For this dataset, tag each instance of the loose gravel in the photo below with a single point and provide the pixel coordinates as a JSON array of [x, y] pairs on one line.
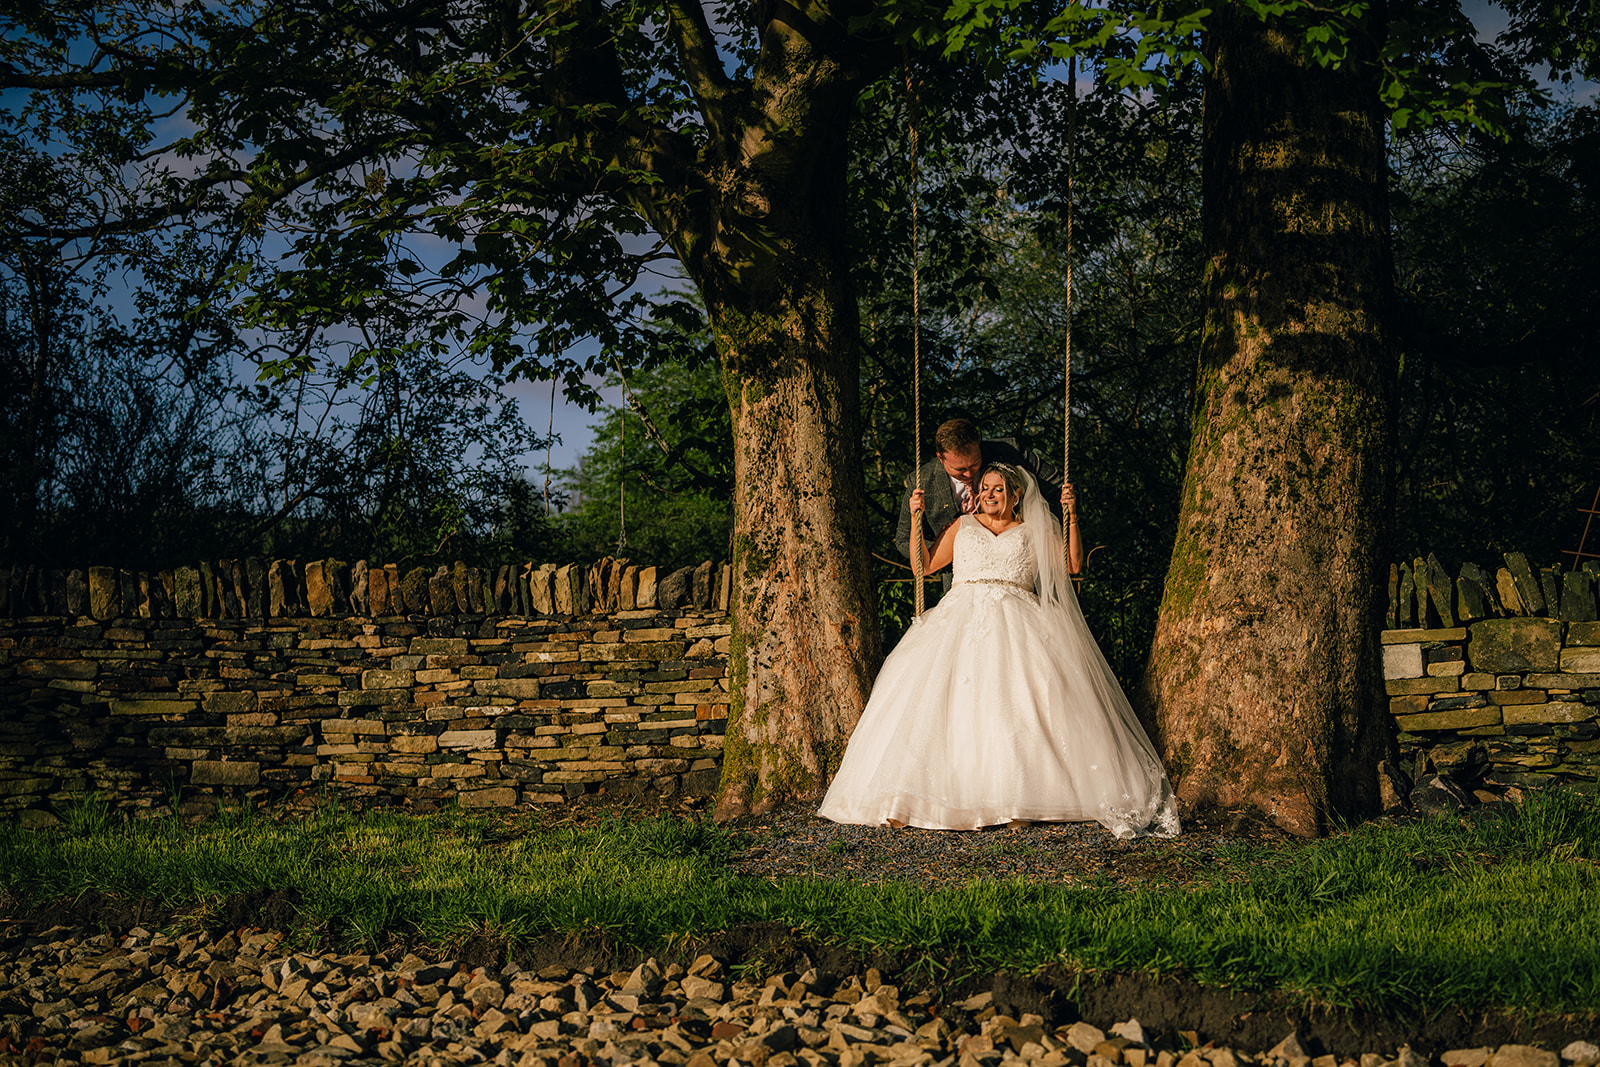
[[242, 998], [795, 842]]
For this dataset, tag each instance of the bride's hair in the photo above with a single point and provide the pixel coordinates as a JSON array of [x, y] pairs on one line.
[[1015, 483]]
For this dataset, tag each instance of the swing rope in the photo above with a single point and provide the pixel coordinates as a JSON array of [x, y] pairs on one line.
[[913, 109], [628, 401], [1066, 407], [622, 489]]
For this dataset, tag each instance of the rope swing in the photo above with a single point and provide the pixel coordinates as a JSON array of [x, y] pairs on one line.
[[549, 442], [913, 115], [622, 485], [1066, 404], [913, 109], [628, 401]]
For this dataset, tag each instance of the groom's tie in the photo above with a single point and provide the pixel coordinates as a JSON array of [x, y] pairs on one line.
[[969, 500]]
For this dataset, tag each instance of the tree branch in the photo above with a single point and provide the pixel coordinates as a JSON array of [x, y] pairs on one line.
[[701, 63], [701, 478], [12, 78], [587, 85], [271, 194]]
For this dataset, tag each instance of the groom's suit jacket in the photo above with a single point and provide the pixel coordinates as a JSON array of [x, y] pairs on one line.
[[940, 507]]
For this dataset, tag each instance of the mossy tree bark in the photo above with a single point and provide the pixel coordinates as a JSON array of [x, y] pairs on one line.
[[771, 261], [1264, 685], [772, 266], [805, 643], [755, 209]]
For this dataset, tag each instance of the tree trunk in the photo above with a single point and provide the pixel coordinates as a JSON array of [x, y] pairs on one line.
[[805, 641], [765, 242], [1264, 683]]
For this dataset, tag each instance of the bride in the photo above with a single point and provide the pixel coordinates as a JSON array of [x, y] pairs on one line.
[[997, 705]]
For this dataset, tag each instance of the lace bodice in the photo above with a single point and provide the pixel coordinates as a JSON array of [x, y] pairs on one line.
[[981, 556]]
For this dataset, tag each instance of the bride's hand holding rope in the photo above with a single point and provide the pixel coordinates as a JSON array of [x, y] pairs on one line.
[[945, 550], [1069, 513]]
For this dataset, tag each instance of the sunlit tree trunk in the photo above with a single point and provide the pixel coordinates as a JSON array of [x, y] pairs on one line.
[[764, 238], [1264, 683], [805, 641]]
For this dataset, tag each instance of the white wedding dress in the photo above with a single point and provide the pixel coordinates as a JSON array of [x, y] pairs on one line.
[[995, 706]]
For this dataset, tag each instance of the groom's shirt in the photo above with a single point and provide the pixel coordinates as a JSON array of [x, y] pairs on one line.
[[966, 499]]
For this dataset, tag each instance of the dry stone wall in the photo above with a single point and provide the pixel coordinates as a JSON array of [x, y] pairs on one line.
[[1494, 679], [540, 683], [275, 589], [615, 681], [1502, 702]]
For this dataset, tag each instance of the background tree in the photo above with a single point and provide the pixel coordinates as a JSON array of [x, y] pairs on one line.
[[1499, 428], [116, 423], [659, 470], [559, 149], [130, 438], [425, 459]]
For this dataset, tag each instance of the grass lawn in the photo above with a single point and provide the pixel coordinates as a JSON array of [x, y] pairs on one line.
[[1500, 912]]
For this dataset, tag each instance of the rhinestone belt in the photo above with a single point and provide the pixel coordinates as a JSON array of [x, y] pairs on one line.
[[993, 581]]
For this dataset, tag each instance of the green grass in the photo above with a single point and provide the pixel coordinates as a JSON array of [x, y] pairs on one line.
[[1500, 913]]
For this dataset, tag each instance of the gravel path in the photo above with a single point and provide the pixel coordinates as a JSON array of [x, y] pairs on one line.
[[797, 842]]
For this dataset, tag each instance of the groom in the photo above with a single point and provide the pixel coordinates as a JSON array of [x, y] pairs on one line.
[[949, 482]]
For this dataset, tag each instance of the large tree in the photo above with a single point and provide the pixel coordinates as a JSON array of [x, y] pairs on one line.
[[1264, 676], [753, 204], [560, 150]]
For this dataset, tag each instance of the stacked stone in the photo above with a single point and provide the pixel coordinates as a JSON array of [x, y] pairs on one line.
[[1496, 706], [1422, 595], [239, 999], [490, 712], [635, 702], [261, 589]]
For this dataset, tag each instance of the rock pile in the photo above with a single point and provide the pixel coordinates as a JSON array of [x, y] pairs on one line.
[[241, 999]]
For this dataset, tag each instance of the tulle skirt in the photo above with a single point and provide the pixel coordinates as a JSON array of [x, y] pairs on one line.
[[994, 708]]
